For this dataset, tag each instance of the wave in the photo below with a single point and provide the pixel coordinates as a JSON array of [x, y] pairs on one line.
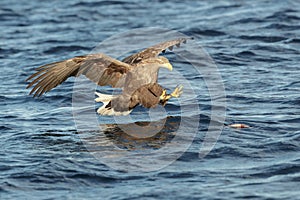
[[61, 49], [205, 32], [99, 3], [267, 39]]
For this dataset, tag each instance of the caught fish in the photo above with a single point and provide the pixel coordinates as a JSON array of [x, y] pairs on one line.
[[238, 126]]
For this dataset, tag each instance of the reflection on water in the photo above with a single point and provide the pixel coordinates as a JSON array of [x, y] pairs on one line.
[[125, 147], [138, 135]]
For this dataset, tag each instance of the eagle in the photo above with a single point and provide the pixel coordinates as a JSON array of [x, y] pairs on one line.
[[136, 75]]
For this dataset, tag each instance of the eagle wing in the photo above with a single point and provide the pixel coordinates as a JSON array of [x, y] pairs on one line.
[[99, 68], [153, 51]]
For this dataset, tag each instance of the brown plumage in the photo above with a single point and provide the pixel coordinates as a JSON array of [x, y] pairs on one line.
[[136, 75]]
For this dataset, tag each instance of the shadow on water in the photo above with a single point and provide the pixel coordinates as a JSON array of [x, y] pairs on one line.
[[137, 135]]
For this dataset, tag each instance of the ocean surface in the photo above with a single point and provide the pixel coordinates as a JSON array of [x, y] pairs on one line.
[[255, 46]]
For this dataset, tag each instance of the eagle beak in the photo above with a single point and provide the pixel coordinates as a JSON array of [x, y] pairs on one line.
[[168, 66]]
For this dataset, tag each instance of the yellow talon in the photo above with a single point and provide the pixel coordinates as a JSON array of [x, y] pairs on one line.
[[177, 92], [163, 95]]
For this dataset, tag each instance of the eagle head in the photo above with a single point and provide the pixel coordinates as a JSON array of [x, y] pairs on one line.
[[164, 62], [159, 61]]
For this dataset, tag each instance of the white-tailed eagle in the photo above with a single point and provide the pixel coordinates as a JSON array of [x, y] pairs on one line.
[[136, 74]]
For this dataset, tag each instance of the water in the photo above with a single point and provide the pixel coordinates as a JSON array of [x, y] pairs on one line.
[[255, 45]]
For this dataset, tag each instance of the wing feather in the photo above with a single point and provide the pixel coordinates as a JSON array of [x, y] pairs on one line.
[[99, 68], [153, 51]]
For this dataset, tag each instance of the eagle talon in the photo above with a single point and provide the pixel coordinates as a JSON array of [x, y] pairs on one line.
[[164, 97], [177, 92]]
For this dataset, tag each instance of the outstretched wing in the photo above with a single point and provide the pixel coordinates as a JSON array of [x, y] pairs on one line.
[[99, 68], [153, 51]]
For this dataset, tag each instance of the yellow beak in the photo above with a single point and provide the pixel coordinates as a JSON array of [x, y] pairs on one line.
[[168, 66]]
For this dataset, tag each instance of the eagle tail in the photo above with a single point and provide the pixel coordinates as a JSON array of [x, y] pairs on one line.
[[104, 98], [106, 108]]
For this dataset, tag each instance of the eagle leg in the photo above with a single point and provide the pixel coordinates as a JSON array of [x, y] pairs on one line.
[[164, 97]]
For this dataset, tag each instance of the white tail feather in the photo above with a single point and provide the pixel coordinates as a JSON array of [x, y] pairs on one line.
[[105, 99]]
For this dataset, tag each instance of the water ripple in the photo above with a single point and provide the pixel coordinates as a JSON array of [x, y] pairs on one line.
[[256, 48]]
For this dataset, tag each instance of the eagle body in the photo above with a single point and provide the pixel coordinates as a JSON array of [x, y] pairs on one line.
[[136, 75]]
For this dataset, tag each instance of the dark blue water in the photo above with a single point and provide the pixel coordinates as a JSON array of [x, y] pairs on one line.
[[256, 46]]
